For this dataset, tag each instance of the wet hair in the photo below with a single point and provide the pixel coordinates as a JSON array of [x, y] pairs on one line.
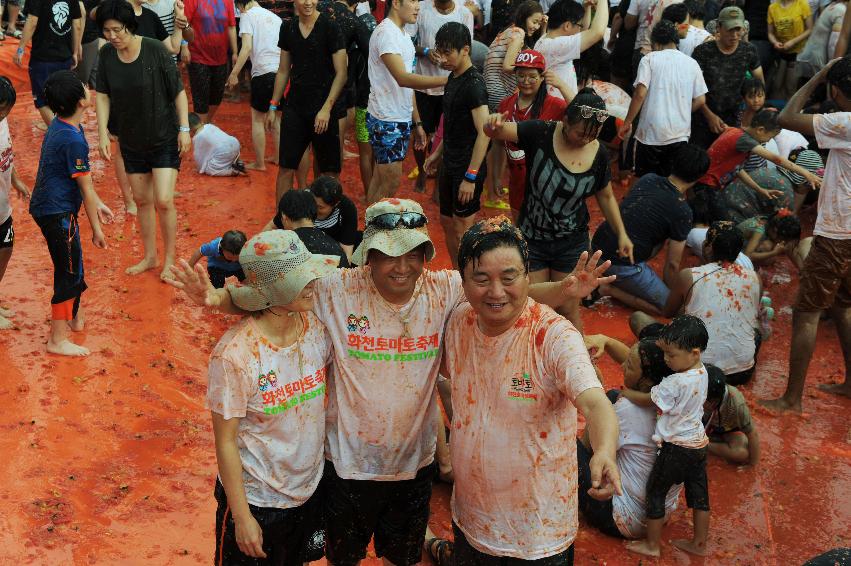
[[119, 10], [564, 11], [665, 32], [585, 97], [696, 9], [686, 332], [717, 383], [594, 63], [651, 331], [787, 226], [839, 76], [676, 13], [766, 119], [233, 241], [490, 234], [525, 11], [327, 188], [752, 86], [8, 95], [297, 205], [63, 90], [690, 163], [452, 36], [726, 241], [194, 120], [652, 358]]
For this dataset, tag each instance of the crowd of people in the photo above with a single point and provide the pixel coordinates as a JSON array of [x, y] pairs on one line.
[[356, 375]]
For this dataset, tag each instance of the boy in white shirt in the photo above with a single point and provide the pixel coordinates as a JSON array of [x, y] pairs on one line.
[[669, 87], [216, 153], [680, 434]]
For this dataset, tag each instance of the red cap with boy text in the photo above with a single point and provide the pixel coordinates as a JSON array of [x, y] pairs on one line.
[[530, 59]]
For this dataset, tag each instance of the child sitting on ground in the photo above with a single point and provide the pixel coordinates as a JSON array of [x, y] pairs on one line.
[[216, 153], [680, 434], [222, 257], [732, 433], [768, 238], [8, 179], [63, 183]]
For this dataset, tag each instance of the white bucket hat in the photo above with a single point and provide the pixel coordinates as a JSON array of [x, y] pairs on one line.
[[277, 268], [387, 230]]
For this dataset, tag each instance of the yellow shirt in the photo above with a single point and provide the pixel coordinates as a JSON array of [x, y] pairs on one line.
[[788, 21]]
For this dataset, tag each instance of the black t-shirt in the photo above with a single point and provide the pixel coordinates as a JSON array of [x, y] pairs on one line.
[[53, 36], [461, 96], [554, 205], [150, 25], [756, 14], [90, 31], [318, 242], [724, 75], [311, 63], [146, 87], [653, 211], [342, 223], [359, 61]]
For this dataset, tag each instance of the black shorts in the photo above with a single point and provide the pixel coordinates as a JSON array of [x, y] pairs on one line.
[[598, 514], [7, 234], [396, 512], [62, 233], [262, 87], [166, 156], [291, 537], [657, 159], [558, 255], [297, 133], [430, 108], [463, 554], [674, 465], [448, 183], [207, 83]]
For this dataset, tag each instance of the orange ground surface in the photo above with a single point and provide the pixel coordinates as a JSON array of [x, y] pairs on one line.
[[109, 459]]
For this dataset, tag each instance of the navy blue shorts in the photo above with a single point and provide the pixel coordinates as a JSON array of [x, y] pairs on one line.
[[39, 72], [389, 140]]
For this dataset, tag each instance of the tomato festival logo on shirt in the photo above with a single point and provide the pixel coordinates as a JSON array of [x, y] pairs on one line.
[[400, 349], [522, 388], [278, 397]]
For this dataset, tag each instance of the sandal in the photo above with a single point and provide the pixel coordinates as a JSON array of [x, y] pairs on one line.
[[16, 34], [440, 550]]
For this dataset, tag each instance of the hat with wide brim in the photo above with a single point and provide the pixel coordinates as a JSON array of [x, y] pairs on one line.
[[277, 268], [393, 242]]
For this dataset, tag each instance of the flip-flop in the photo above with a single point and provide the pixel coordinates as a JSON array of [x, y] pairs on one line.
[[498, 204], [16, 34], [441, 552]]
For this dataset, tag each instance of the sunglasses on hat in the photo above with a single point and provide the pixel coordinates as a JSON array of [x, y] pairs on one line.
[[588, 111], [391, 220]]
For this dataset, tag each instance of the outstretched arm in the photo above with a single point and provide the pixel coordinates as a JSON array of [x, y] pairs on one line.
[[586, 276], [603, 433], [195, 284]]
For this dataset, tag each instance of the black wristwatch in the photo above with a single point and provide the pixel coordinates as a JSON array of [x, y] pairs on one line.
[[418, 124]]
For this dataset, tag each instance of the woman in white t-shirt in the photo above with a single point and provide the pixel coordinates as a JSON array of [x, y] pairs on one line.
[[625, 515], [266, 394]]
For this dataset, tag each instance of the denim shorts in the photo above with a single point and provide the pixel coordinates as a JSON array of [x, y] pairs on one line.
[[558, 255], [389, 140], [640, 280]]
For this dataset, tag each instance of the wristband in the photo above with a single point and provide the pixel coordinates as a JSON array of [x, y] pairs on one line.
[[425, 51], [471, 175], [273, 107], [273, 102], [20, 51], [184, 42], [184, 129], [418, 124]]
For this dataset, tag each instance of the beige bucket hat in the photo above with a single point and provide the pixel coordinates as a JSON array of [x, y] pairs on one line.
[[387, 230], [277, 267]]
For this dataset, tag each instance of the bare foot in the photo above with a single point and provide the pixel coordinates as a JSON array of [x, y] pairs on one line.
[[131, 209], [690, 546], [780, 405], [67, 348], [419, 186], [272, 160], [254, 166], [643, 547], [78, 324], [6, 324], [141, 267], [166, 274], [7, 313], [843, 389]]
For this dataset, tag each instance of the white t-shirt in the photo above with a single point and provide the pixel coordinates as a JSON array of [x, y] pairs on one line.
[[673, 81], [635, 459], [279, 395], [382, 399], [833, 132], [214, 151], [680, 399], [387, 100], [787, 140], [514, 431], [695, 37], [362, 9], [726, 298], [264, 27], [559, 52], [695, 239], [643, 10], [6, 165], [429, 21]]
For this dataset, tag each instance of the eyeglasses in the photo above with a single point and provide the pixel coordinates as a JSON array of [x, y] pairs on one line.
[[528, 79], [114, 31], [392, 220], [588, 111]]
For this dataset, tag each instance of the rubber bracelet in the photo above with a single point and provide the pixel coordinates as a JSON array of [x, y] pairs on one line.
[[273, 102], [417, 124], [272, 107], [20, 51], [425, 51], [470, 177], [184, 129], [184, 42]]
